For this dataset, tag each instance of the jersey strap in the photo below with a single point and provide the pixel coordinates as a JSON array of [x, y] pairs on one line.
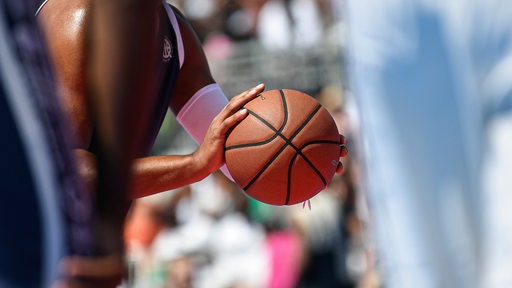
[[176, 27]]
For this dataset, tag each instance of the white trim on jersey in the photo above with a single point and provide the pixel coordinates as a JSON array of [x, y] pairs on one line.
[[41, 7], [176, 27], [38, 155]]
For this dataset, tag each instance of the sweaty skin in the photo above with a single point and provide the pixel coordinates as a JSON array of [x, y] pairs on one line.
[[67, 26], [64, 24]]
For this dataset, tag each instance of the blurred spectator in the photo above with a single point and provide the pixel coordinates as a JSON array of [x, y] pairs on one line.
[[283, 24], [285, 244], [285, 248], [213, 243], [241, 22], [333, 99], [432, 81], [320, 231], [332, 233], [142, 224]]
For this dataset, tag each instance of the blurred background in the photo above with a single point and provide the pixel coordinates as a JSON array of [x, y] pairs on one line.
[[210, 234]]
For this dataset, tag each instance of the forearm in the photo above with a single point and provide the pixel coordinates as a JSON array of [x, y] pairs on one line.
[[151, 175], [157, 174]]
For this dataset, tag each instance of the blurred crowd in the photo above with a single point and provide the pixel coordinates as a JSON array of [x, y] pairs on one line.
[[210, 234], [282, 43], [278, 24]]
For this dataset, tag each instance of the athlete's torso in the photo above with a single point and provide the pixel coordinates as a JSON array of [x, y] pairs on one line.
[[169, 63]]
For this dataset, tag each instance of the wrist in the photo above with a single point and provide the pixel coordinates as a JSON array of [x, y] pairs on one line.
[[200, 165]]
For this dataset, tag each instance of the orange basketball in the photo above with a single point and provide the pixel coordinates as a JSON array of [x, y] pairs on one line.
[[286, 150]]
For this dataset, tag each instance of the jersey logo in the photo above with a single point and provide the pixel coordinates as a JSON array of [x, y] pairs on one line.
[[167, 52]]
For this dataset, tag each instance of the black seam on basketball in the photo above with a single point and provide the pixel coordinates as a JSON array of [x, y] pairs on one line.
[[306, 122], [289, 183], [276, 134], [290, 166], [276, 131], [309, 161], [320, 142], [265, 167], [288, 142], [285, 120]]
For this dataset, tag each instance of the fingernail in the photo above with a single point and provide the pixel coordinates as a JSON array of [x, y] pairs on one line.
[[343, 140], [339, 169]]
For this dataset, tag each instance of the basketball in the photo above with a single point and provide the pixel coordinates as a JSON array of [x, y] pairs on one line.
[[286, 150]]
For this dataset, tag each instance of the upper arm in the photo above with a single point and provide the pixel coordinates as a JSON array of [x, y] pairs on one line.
[[64, 25], [195, 72]]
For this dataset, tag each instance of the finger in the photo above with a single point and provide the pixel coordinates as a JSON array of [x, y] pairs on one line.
[[344, 151], [343, 140], [249, 94], [232, 120], [339, 168], [235, 118], [240, 100]]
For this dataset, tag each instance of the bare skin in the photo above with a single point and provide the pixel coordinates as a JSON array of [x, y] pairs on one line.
[[64, 24], [67, 25]]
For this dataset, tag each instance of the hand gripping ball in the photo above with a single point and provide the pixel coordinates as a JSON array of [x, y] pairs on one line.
[[286, 150]]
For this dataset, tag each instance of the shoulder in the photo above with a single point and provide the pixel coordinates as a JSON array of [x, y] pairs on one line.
[[64, 23], [63, 9], [184, 29], [64, 26], [177, 12], [185, 34], [180, 20], [64, 19]]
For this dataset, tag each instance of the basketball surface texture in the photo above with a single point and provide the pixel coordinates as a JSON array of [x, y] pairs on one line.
[[286, 150]]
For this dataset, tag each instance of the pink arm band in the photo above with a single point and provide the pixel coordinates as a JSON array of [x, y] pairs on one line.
[[197, 114]]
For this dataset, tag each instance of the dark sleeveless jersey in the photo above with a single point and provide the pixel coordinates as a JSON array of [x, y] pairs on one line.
[[172, 55], [172, 59], [43, 215], [171, 51]]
